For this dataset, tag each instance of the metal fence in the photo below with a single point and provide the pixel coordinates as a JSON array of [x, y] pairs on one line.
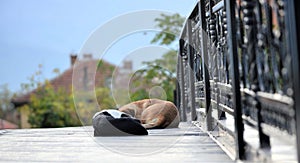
[[240, 59]]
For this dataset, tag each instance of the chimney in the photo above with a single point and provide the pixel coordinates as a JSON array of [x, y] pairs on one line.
[[73, 59]]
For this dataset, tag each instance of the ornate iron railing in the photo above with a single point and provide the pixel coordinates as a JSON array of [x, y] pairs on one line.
[[240, 60]]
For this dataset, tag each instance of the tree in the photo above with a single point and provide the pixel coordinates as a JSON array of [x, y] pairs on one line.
[[156, 79], [49, 107], [52, 108], [160, 72], [87, 105], [170, 26], [104, 98]]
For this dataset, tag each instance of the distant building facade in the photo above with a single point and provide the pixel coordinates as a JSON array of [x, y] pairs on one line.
[[85, 75]]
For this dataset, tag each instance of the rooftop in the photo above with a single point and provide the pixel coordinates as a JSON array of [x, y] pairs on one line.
[[84, 69]]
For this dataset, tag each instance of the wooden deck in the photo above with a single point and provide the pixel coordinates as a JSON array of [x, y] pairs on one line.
[[77, 144]]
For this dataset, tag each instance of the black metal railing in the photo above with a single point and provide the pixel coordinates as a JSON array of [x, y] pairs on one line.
[[240, 60]]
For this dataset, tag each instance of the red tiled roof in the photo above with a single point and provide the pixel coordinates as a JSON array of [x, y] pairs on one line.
[[7, 125], [64, 80]]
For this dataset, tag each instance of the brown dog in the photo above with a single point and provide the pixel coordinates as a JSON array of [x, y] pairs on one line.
[[153, 113]]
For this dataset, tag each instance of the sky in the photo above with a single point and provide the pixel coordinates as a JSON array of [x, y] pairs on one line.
[[46, 32]]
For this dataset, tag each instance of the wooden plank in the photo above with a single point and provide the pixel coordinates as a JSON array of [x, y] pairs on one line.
[[184, 144]]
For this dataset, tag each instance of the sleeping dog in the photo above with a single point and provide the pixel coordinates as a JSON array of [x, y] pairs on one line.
[[153, 113]]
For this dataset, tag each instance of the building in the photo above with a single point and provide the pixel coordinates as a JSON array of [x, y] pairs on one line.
[[84, 73]]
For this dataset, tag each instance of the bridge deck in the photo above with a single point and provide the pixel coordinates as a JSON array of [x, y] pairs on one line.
[[184, 144]]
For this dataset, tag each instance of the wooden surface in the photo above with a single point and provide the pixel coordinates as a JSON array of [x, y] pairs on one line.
[[77, 144]]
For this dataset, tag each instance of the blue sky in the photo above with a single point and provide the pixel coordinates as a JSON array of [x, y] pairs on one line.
[[34, 32]]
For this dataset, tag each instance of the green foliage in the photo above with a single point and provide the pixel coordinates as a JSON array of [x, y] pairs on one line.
[[139, 94], [35, 81], [49, 107], [159, 74], [168, 61], [87, 105], [170, 26], [52, 108], [104, 98]]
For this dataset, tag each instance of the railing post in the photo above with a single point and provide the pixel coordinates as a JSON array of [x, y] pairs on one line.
[[293, 14], [191, 72], [181, 84], [204, 39], [176, 94], [232, 48]]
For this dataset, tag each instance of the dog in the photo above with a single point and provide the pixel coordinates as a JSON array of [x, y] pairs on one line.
[[153, 113]]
